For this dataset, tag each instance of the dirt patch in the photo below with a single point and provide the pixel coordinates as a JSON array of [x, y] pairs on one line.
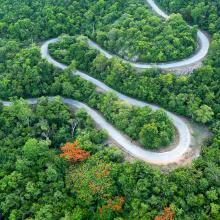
[[199, 134]]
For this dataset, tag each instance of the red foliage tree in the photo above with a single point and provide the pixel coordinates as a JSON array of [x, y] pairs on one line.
[[72, 152], [168, 215]]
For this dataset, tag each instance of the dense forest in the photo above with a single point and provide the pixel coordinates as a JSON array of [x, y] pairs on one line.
[[54, 162], [127, 28]]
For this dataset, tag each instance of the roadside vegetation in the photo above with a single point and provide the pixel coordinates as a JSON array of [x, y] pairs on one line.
[[52, 169]]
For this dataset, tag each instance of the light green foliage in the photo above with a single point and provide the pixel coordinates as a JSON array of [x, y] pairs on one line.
[[204, 114]]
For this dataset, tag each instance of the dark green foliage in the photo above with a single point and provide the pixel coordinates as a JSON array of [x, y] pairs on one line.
[[25, 74], [204, 13], [129, 29], [35, 183]]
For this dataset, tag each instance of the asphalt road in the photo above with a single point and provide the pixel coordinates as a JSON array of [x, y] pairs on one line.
[[153, 157]]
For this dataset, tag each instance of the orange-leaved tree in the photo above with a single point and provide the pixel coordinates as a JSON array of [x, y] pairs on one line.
[[115, 204], [72, 152], [168, 215]]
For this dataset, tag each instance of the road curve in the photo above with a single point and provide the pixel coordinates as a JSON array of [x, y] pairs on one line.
[[203, 47], [167, 157]]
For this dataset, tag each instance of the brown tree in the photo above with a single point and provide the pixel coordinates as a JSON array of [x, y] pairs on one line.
[[115, 204], [168, 215]]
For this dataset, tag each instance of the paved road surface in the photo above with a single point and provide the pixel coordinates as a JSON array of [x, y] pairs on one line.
[[157, 158]]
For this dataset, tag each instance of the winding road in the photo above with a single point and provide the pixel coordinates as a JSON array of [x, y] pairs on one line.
[[163, 158], [182, 127], [203, 47]]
